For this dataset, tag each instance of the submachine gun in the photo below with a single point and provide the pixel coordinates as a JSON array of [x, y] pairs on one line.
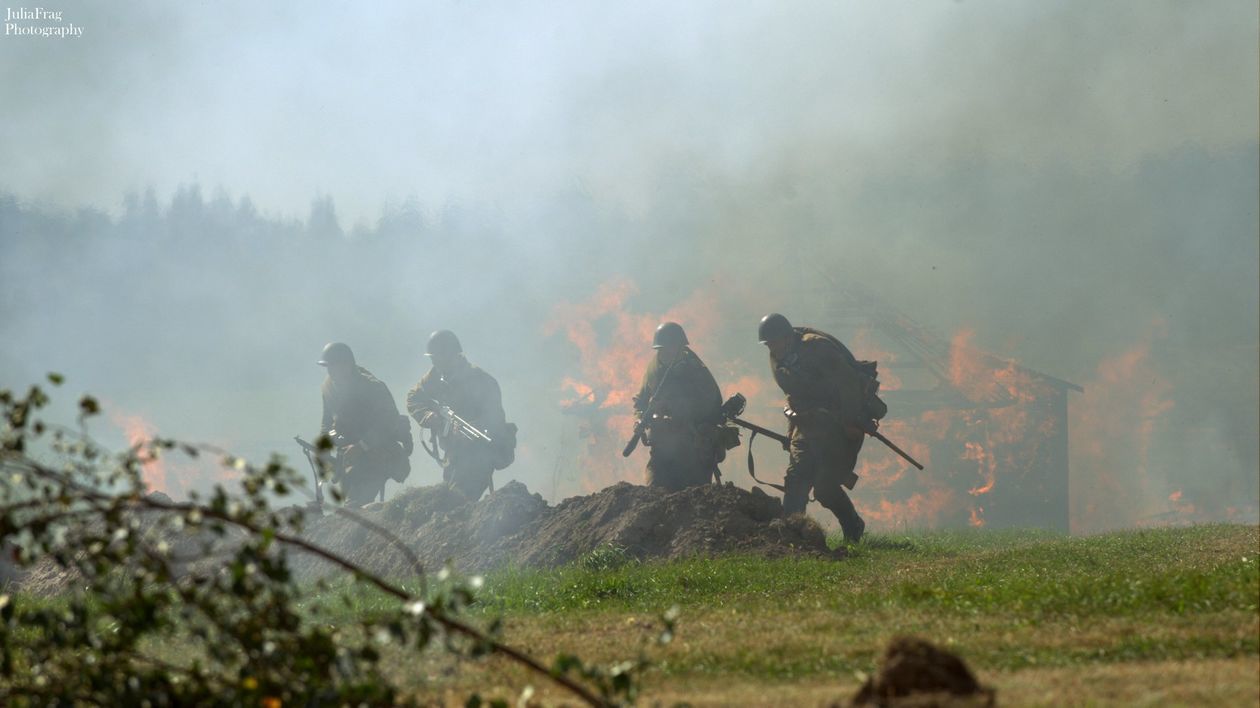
[[452, 424], [734, 406]]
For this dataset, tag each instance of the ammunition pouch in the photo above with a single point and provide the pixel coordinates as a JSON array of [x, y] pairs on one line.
[[504, 446]]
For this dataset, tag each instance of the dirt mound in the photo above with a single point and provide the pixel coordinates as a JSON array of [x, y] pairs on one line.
[[651, 523], [513, 527], [913, 672]]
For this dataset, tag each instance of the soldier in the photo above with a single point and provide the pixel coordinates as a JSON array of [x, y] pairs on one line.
[[372, 439], [679, 409], [828, 410], [467, 463]]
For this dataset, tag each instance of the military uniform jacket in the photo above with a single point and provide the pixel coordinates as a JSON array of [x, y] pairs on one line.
[[361, 410], [690, 395], [470, 392], [819, 379]]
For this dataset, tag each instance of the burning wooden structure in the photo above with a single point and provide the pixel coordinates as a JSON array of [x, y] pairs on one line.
[[994, 433]]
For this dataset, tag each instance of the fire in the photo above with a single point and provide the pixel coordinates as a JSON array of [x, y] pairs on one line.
[[613, 346], [583, 395], [967, 369], [988, 467], [977, 517], [997, 431], [968, 449], [1112, 430], [173, 473], [921, 510], [140, 433], [990, 431]]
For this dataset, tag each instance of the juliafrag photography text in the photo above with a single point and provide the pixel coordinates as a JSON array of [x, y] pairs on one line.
[[38, 22]]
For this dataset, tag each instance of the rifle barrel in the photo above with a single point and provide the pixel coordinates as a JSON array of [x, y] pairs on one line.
[[893, 446], [758, 429]]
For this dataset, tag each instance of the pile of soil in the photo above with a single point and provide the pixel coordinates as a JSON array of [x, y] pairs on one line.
[[512, 527], [914, 672]]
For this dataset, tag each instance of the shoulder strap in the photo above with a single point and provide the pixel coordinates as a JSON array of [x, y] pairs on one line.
[[752, 467]]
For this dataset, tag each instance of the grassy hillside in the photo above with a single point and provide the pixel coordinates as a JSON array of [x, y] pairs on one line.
[[1166, 616]]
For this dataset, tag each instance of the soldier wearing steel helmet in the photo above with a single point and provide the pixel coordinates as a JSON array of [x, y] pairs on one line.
[[679, 408], [468, 465], [372, 439], [828, 409]]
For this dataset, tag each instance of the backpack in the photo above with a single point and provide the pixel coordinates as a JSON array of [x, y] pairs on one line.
[[867, 371]]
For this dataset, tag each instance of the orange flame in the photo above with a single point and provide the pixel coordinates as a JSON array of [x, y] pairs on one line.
[[613, 347], [1112, 430], [996, 446], [173, 473], [140, 433], [977, 516]]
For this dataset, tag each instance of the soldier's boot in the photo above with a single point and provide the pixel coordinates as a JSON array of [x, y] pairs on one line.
[[851, 523]]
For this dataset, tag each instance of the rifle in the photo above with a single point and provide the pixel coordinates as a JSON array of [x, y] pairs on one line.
[[453, 423], [735, 405], [641, 427], [312, 454], [869, 429]]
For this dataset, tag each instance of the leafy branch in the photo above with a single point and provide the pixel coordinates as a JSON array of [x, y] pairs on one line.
[[64, 502]]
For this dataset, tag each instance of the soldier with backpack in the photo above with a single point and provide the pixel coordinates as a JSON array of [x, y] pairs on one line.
[[831, 404], [372, 439]]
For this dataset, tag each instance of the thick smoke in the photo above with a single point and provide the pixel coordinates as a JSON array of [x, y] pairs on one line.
[[1074, 184]]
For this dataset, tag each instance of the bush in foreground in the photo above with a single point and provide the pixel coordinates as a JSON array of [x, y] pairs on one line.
[[67, 501]]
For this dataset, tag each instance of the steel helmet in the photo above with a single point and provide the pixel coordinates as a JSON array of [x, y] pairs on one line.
[[773, 326], [336, 353], [443, 343], [669, 334]]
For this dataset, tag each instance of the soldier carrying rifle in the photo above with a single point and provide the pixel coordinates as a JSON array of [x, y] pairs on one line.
[[462, 407], [831, 406], [679, 413]]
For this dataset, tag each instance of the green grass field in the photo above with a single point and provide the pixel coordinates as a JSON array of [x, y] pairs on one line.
[[1154, 617]]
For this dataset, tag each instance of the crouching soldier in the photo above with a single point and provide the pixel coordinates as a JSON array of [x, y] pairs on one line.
[[371, 438], [462, 407]]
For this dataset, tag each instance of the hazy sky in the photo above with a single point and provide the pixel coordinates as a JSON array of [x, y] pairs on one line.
[[503, 101]]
